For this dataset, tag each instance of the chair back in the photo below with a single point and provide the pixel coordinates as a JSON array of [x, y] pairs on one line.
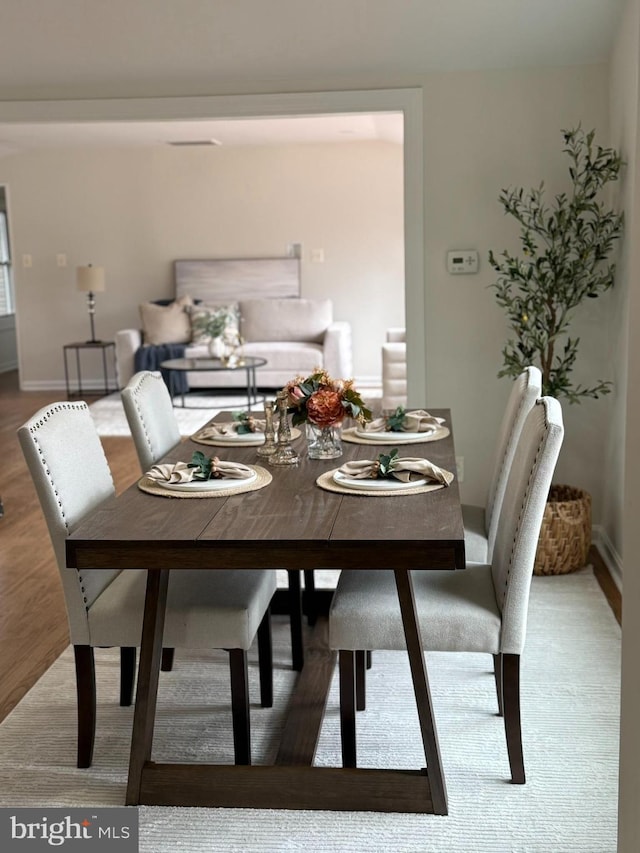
[[521, 518], [72, 477], [152, 421], [526, 389]]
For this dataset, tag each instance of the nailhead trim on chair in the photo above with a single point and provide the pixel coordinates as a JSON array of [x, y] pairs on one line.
[[525, 498], [506, 447], [33, 429], [57, 407], [136, 391]]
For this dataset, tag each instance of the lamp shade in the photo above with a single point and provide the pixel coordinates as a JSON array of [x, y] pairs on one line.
[[90, 279]]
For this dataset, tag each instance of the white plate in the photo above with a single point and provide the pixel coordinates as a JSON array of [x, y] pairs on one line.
[[375, 485], [394, 436], [235, 436], [207, 485]]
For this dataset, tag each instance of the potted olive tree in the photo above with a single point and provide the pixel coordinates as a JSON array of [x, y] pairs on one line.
[[565, 245]]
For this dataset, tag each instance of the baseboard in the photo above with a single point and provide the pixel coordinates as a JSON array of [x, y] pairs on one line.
[[89, 386], [609, 553]]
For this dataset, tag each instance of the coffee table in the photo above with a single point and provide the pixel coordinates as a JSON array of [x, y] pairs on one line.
[[248, 364]]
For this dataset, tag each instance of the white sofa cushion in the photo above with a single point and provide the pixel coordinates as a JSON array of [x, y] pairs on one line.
[[166, 324], [285, 319]]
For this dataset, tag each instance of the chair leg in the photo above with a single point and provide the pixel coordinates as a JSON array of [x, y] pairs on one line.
[[310, 596], [512, 723], [347, 707], [265, 661], [166, 664], [295, 615], [127, 674], [497, 674], [86, 692], [361, 681], [240, 706]]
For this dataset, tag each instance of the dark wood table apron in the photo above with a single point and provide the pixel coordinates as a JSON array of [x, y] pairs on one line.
[[291, 524]]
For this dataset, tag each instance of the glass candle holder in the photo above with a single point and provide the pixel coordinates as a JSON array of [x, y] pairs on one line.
[[284, 454], [269, 446]]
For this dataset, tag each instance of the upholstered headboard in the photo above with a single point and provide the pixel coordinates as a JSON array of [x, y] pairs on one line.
[[232, 279]]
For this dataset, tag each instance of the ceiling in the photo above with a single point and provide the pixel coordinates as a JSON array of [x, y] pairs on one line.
[[79, 49], [351, 127]]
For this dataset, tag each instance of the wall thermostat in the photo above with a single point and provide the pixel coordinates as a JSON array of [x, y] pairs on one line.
[[462, 262]]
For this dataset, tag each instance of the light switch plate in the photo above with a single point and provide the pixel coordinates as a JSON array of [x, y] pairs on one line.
[[462, 261]]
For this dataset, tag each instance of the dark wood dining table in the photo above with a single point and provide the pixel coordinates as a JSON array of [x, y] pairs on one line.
[[290, 524]]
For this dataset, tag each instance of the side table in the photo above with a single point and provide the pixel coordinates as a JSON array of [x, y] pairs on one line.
[[101, 346]]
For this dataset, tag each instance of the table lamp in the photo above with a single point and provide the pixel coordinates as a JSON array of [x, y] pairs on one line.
[[90, 279]]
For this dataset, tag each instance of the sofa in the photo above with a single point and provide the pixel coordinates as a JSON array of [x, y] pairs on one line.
[[394, 369], [294, 335]]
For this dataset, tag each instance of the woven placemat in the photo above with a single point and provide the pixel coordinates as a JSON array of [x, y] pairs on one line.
[[326, 482], [258, 442], [146, 484], [349, 435]]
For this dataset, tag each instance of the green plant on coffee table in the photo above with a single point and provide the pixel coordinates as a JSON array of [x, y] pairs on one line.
[[565, 245]]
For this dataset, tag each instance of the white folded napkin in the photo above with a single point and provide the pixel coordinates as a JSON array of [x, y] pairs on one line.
[[230, 428], [179, 472], [416, 421], [405, 469]]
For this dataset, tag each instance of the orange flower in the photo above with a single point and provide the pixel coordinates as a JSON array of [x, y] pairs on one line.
[[325, 408]]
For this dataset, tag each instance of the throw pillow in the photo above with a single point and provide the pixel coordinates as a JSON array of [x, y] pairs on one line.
[[166, 324], [213, 321]]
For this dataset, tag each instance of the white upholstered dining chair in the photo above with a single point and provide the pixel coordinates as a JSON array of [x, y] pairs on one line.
[[482, 608], [154, 428], [205, 610], [481, 522], [152, 421]]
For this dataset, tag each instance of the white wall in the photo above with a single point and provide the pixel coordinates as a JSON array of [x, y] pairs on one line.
[[484, 132], [622, 493], [134, 211]]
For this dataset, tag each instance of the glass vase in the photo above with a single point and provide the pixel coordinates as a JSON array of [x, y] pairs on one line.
[[324, 442]]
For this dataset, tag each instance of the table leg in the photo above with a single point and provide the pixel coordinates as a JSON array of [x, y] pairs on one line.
[[421, 690], [148, 674], [78, 370], [104, 370], [66, 372], [252, 396], [295, 616]]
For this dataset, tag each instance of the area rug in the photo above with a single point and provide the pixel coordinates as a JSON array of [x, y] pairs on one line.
[[570, 688], [110, 419]]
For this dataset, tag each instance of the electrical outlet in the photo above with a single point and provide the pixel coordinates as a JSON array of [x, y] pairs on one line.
[[27, 261], [460, 467], [317, 256], [61, 260]]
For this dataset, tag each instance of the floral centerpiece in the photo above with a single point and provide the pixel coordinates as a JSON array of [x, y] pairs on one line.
[[322, 403]]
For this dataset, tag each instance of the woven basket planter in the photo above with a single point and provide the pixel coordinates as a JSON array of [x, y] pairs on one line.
[[565, 536]]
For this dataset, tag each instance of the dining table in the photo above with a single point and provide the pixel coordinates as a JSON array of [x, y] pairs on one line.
[[293, 524]]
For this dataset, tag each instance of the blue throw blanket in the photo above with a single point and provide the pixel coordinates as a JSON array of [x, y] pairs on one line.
[[151, 357]]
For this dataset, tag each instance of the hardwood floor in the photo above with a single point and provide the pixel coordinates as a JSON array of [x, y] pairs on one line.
[[33, 622]]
